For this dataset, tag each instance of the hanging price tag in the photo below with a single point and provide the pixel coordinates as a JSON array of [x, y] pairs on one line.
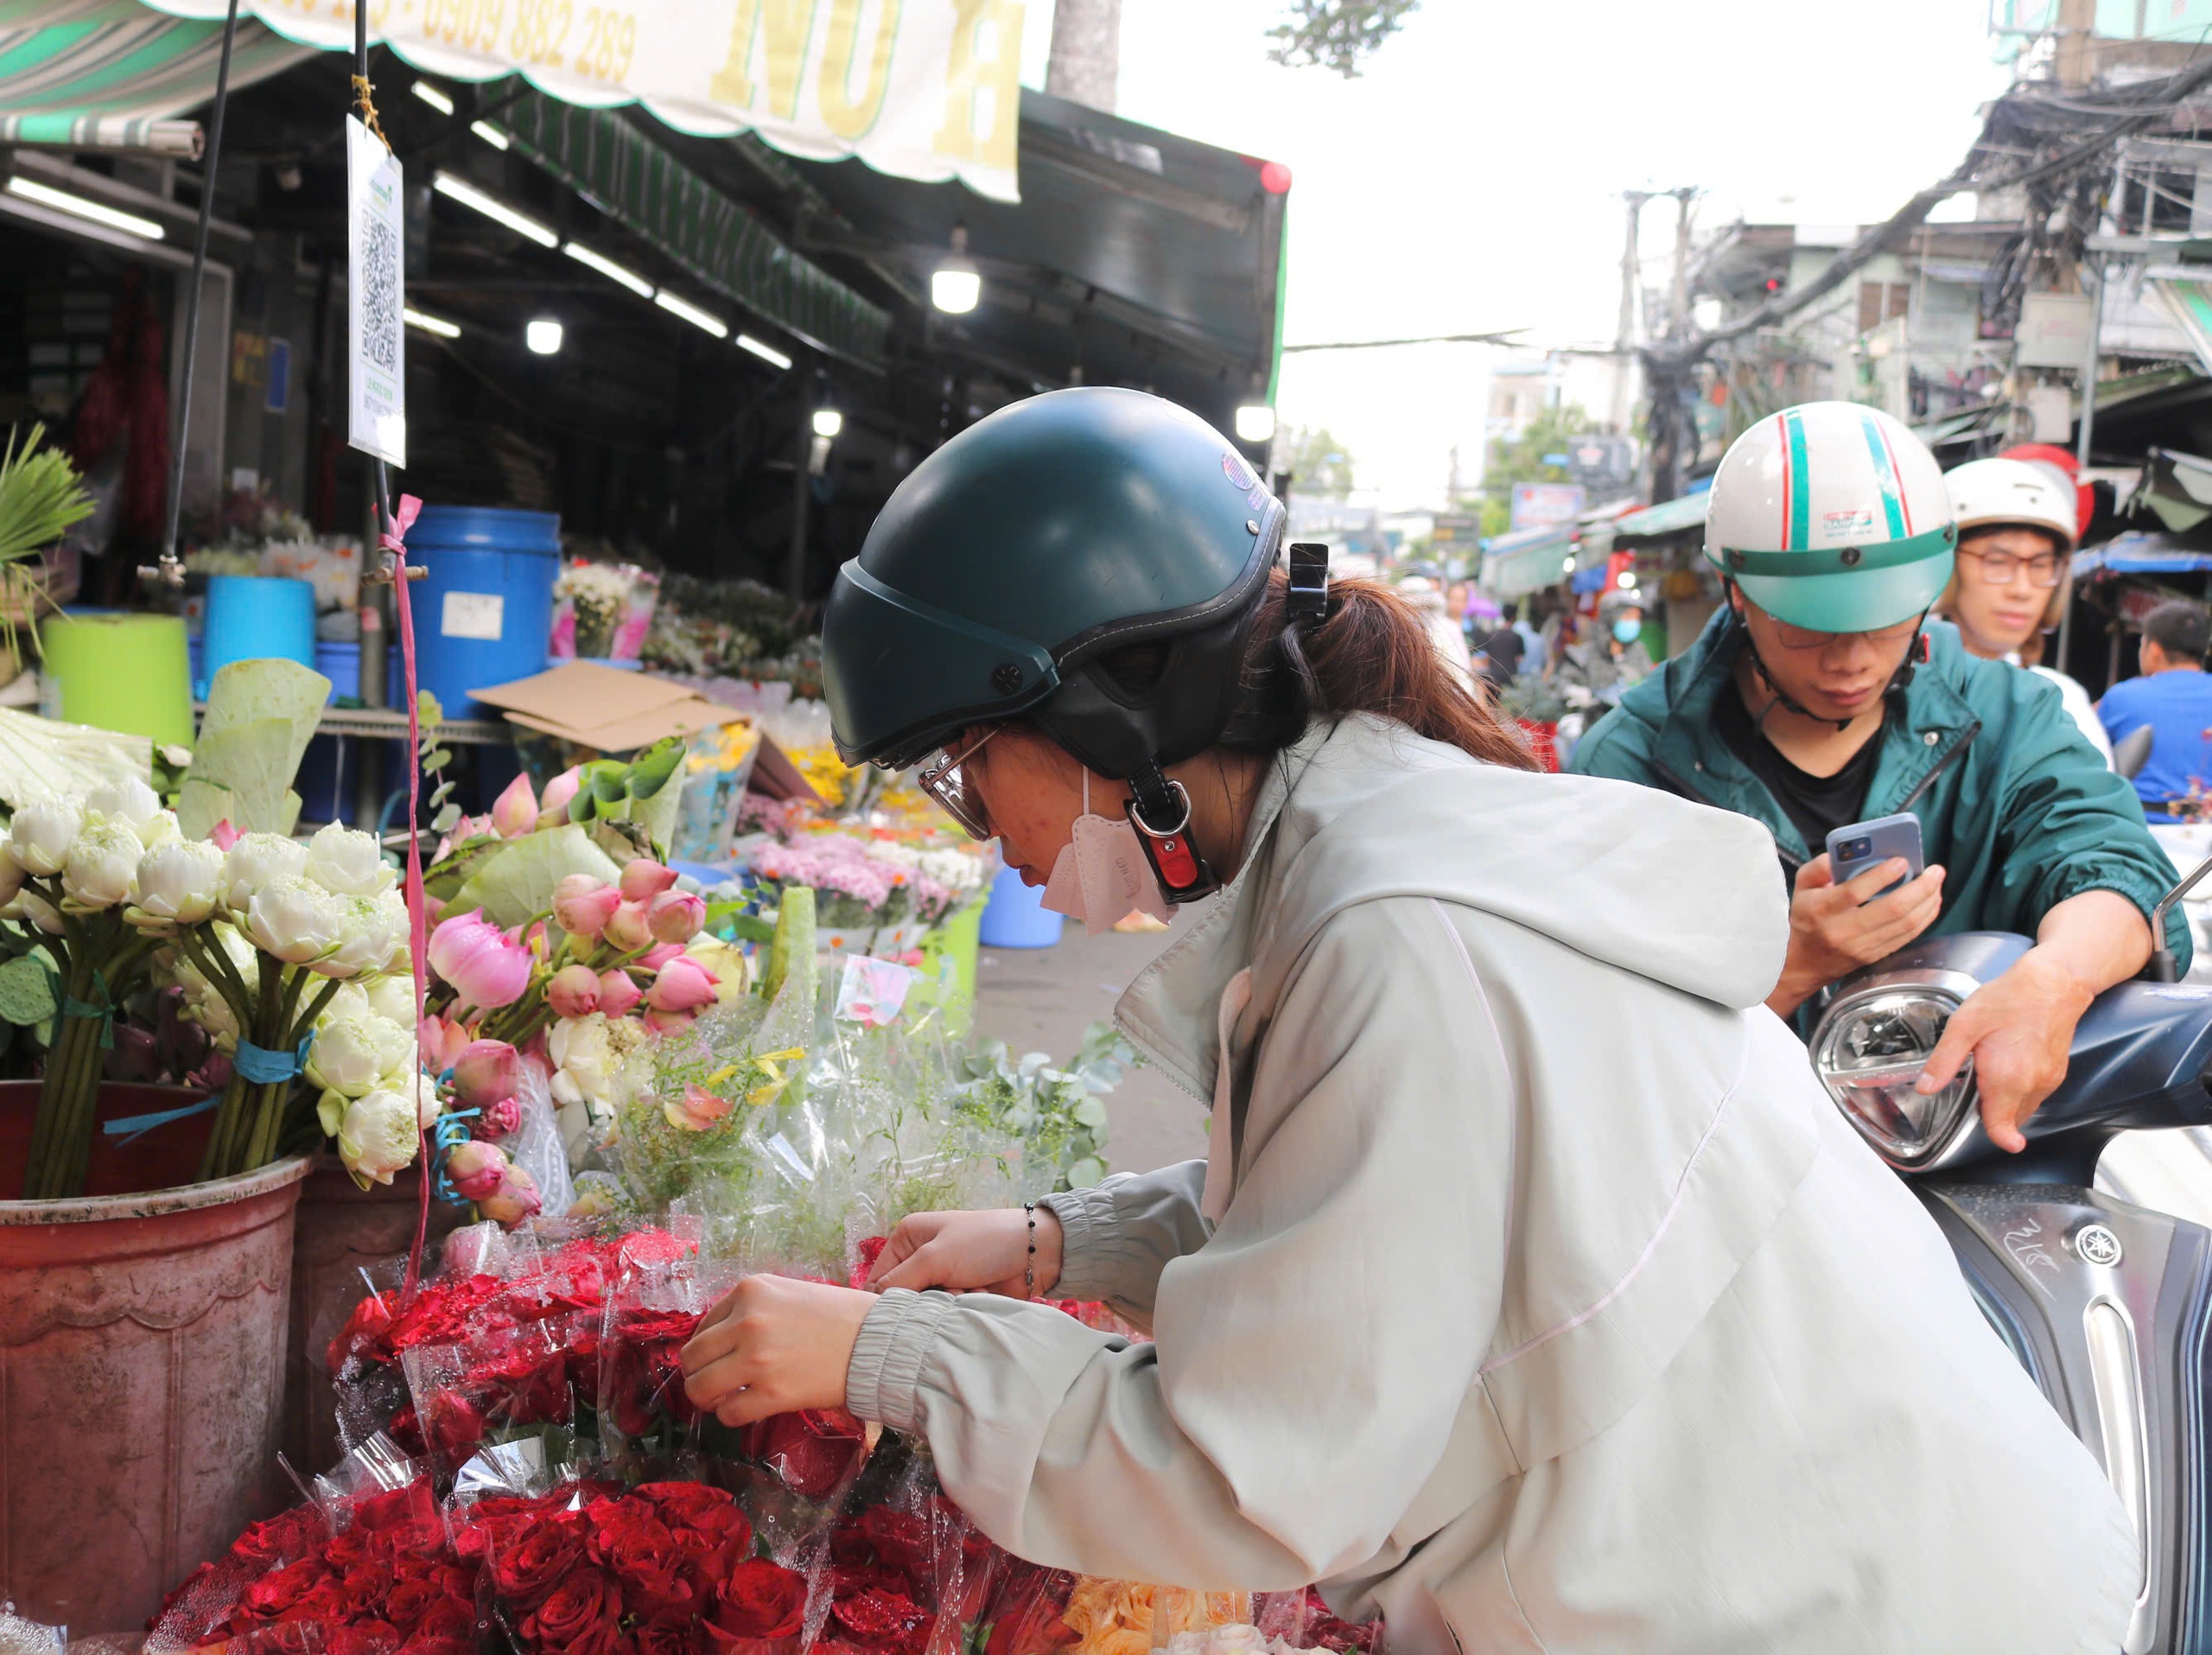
[[375, 299]]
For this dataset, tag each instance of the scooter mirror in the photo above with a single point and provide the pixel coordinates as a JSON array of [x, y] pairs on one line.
[[2133, 751], [2164, 967]]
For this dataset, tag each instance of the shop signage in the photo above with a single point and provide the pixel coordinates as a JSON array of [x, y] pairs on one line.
[[375, 379], [1537, 505], [924, 89]]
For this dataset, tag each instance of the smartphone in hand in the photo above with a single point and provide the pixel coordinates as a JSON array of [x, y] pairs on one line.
[[1853, 849]]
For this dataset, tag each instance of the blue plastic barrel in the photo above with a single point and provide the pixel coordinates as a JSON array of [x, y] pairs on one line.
[[252, 618], [484, 612], [1016, 917], [341, 664]]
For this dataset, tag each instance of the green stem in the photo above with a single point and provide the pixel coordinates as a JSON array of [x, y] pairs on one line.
[[216, 1164], [268, 1033], [305, 1020], [295, 981], [222, 974], [48, 1169]]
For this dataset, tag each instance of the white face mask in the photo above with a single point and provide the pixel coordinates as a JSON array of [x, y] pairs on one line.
[[1101, 876]]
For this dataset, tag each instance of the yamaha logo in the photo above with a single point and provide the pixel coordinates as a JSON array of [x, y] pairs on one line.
[[2097, 1245]]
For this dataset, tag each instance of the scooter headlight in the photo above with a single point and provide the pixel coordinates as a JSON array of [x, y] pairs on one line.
[[1870, 1048]]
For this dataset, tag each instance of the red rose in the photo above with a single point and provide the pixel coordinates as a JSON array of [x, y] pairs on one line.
[[711, 1526], [670, 1634], [864, 1257], [581, 1616], [273, 1594], [528, 1564], [894, 1539], [282, 1539], [884, 1620], [362, 1336], [453, 1425], [811, 1452], [1025, 1615], [637, 1547], [455, 1616], [759, 1600]]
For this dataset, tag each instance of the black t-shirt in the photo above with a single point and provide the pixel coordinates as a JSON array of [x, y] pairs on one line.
[[1500, 653], [1816, 805]]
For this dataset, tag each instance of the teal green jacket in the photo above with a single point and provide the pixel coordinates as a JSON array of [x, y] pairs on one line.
[[2027, 816]]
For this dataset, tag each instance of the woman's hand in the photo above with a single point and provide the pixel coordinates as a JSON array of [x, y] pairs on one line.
[[774, 1345], [962, 1251]]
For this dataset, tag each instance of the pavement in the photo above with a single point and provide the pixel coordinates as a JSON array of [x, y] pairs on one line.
[[1042, 999]]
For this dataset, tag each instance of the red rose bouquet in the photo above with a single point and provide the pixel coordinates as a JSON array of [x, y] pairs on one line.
[[907, 1573], [375, 1574]]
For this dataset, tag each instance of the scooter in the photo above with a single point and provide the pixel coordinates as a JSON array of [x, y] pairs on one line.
[[2107, 1305]]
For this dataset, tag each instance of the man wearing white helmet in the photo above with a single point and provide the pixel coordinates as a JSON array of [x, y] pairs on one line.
[[2017, 526], [1821, 695]]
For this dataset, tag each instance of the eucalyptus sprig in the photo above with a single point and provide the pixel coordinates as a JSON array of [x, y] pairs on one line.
[[433, 759]]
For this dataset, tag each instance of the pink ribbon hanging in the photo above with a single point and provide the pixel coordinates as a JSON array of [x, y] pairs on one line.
[[394, 540]]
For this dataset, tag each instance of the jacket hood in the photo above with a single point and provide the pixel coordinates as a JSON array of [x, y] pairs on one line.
[[1363, 809]]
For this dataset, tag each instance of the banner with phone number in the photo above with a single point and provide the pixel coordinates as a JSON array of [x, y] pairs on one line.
[[923, 89]]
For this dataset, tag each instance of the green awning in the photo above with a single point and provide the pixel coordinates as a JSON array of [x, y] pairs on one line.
[[108, 73], [1529, 567], [633, 180], [1669, 516]]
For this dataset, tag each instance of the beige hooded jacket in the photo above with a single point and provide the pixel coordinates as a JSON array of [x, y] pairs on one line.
[[1535, 1295]]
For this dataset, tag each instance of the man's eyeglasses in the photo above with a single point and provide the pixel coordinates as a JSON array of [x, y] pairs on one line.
[[1791, 637], [945, 777], [2045, 569]]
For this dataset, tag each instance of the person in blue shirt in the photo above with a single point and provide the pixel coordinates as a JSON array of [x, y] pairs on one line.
[[2174, 698]]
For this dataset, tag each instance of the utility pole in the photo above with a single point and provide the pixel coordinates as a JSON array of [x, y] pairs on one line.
[[2075, 58], [1624, 335], [1086, 59], [1678, 321]]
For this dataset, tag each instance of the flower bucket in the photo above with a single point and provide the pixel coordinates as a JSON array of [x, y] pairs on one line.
[[141, 1351], [341, 1229]]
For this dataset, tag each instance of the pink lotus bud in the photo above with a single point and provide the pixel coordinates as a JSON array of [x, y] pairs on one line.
[[659, 955], [500, 1120], [668, 1023], [698, 1110], [515, 1199], [223, 835], [515, 812], [627, 930], [572, 991], [676, 916], [485, 965], [583, 905], [645, 879], [486, 1073], [682, 984], [561, 790], [618, 992], [477, 1169], [442, 1040]]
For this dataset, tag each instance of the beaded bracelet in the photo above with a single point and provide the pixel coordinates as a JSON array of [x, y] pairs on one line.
[[1029, 1270]]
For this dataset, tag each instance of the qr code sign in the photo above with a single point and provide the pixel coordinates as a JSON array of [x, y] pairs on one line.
[[380, 292]]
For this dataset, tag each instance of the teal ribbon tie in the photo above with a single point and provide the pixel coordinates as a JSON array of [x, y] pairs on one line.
[[103, 1009], [265, 1067], [132, 1128]]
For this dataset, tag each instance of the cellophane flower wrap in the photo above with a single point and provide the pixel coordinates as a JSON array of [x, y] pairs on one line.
[[365, 1569]]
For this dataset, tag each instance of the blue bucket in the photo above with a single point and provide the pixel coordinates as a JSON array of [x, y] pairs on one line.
[[484, 612], [1016, 917], [253, 618], [341, 664]]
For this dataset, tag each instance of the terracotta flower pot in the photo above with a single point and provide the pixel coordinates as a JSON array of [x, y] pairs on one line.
[[141, 1347], [341, 1230]]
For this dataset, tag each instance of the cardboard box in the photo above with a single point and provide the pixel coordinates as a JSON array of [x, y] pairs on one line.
[[604, 709]]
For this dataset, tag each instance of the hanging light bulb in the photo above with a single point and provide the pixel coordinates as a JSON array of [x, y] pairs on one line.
[[542, 335], [956, 286]]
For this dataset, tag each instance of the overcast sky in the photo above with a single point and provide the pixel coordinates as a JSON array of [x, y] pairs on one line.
[[1471, 179]]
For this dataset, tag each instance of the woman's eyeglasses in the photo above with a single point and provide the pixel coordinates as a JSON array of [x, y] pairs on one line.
[[945, 777], [2045, 569]]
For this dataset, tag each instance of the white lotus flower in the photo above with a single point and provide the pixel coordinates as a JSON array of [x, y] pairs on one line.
[[11, 875], [129, 801], [40, 836], [378, 1137], [349, 1000], [177, 885], [369, 930], [390, 995], [30, 906], [103, 867], [294, 919], [352, 1055], [253, 862], [348, 861]]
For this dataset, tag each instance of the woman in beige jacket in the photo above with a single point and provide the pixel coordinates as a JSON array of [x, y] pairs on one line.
[[1531, 1292]]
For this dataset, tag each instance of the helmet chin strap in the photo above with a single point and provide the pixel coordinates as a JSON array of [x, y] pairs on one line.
[[1781, 697]]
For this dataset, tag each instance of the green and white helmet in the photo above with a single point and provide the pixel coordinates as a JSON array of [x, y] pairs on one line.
[[1834, 516]]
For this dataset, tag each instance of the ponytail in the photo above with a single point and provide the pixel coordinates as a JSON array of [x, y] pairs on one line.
[[1369, 654]]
